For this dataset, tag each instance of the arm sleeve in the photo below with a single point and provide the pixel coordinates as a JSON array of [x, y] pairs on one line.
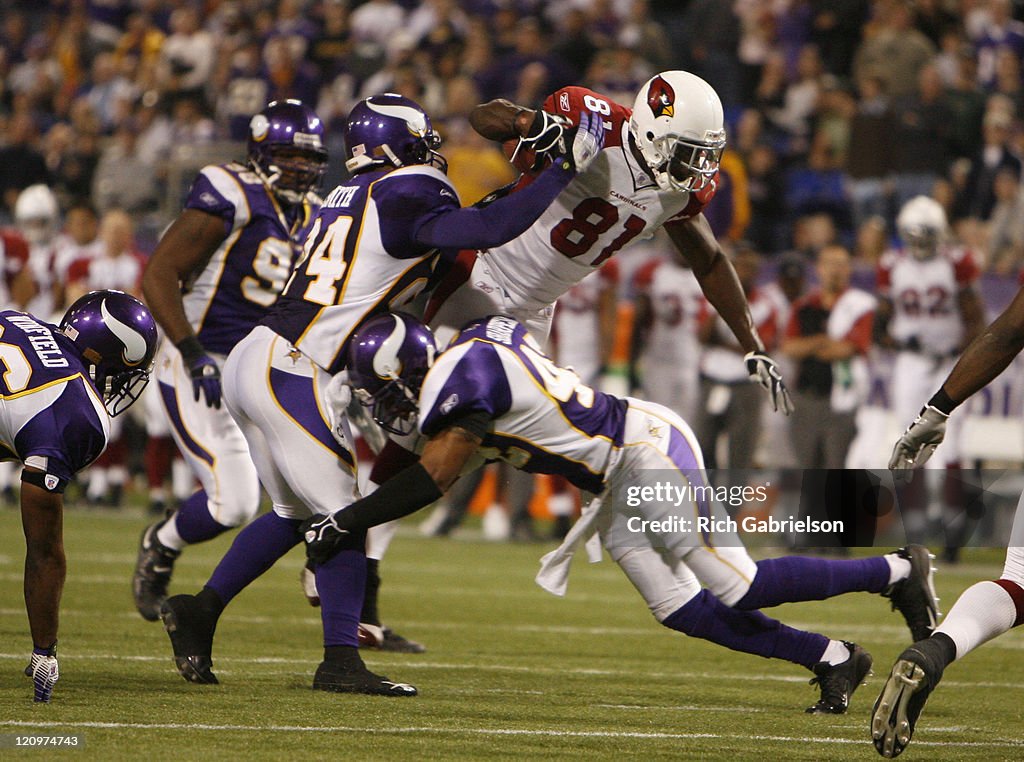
[[498, 222], [404, 493]]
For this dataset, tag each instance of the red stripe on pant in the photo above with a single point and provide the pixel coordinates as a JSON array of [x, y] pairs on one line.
[[1016, 593]]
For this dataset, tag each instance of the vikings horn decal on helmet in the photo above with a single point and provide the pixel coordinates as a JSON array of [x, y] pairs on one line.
[[116, 336], [389, 130], [679, 126], [388, 358], [286, 149]]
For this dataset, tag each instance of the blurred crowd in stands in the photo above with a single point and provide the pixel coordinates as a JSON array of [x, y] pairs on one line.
[[838, 112]]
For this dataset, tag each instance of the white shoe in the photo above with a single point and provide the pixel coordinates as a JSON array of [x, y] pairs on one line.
[[496, 524], [430, 525]]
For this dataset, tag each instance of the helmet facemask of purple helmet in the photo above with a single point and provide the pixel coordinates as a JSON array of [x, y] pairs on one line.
[[388, 358], [286, 149], [116, 336]]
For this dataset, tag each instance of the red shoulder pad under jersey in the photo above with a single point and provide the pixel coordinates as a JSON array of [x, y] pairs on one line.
[[610, 272], [965, 267], [644, 275], [883, 273], [14, 249], [78, 271], [570, 101]]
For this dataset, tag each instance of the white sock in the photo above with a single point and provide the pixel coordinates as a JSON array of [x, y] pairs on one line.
[[899, 568], [168, 534], [983, 611], [835, 653]]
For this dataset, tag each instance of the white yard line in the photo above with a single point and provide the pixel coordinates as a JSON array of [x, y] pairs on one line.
[[554, 732]]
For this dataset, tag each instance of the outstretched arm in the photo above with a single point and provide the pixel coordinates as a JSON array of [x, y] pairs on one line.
[[42, 514], [415, 487], [985, 357]]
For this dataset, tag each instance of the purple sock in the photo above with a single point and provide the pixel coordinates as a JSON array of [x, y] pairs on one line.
[[194, 522], [798, 578], [254, 550], [706, 617], [341, 583]]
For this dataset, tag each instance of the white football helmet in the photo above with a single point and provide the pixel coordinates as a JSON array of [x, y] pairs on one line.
[[37, 214], [679, 127], [922, 226]]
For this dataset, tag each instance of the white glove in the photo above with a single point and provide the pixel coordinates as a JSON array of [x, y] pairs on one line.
[[765, 372], [588, 141], [44, 671], [919, 441], [337, 397]]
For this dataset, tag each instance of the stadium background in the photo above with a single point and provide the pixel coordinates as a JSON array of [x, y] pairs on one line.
[[837, 111]]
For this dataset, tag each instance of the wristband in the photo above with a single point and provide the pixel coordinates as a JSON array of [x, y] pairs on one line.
[[942, 402], [190, 349]]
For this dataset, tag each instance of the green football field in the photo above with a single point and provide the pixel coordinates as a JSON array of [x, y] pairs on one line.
[[511, 670]]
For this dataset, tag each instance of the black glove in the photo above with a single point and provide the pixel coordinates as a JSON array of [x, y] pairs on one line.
[[323, 537]]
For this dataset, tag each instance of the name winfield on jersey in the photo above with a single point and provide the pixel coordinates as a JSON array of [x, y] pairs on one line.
[[42, 382]]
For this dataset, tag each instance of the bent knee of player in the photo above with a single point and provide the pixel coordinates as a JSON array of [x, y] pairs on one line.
[[237, 506], [1013, 569], [727, 571], [663, 589]]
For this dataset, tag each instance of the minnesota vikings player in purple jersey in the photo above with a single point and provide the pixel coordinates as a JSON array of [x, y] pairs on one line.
[[214, 275], [372, 247], [58, 388], [494, 394]]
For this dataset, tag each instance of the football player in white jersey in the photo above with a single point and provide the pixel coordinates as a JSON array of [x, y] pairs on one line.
[[373, 246], [669, 307], [494, 394], [928, 311], [657, 169], [986, 609], [584, 326], [215, 272]]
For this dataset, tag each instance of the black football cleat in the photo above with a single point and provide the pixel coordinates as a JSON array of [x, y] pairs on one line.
[[191, 631], [914, 597], [914, 676], [399, 644], [348, 678], [838, 682], [153, 569]]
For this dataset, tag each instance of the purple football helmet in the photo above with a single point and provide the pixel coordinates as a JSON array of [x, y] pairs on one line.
[[116, 336], [389, 130], [388, 358], [286, 149]]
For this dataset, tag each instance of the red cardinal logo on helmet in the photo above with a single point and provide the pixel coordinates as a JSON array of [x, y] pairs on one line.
[[660, 97]]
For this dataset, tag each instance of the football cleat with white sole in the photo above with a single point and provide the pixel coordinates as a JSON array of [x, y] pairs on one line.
[[153, 569], [914, 596], [44, 671], [191, 631], [914, 676], [336, 678], [838, 682]]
